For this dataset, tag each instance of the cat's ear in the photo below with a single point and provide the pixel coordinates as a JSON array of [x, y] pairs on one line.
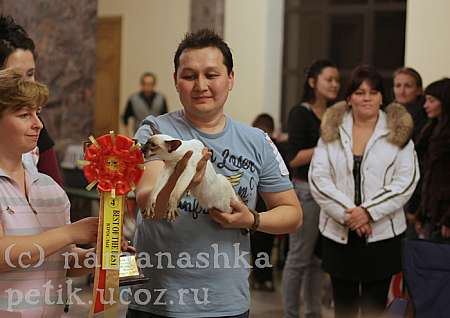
[[173, 145]]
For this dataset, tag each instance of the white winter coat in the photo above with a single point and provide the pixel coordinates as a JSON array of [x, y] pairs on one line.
[[389, 172]]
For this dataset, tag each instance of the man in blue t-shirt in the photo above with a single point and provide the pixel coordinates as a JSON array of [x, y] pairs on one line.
[[199, 264]]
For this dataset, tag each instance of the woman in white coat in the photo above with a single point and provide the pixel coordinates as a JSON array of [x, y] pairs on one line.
[[363, 171]]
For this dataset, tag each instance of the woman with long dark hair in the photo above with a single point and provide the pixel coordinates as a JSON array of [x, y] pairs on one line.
[[433, 148], [302, 266]]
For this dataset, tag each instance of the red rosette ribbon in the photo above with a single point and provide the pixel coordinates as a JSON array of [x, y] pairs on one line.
[[114, 163]]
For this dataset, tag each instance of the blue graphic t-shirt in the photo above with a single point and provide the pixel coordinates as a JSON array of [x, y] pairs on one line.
[[196, 267]]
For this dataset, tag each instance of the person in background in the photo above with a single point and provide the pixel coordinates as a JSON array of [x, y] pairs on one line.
[[262, 277], [408, 91], [144, 103], [433, 148], [34, 211], [17, 50], [363, 171], [302, 267]]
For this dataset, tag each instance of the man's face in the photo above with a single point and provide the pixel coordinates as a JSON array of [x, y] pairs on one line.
[[202, 82], [148, 85]]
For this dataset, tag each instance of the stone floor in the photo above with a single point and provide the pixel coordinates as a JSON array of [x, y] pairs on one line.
[[268, 305], [264, 305]]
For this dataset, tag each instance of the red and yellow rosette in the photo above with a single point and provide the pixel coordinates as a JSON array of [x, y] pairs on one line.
[[115, 164]]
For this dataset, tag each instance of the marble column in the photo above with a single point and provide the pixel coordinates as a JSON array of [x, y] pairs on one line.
[[64, 35], [207, 14]]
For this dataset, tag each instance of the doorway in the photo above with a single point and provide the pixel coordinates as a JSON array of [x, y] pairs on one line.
[[349, 32], [107, 84]]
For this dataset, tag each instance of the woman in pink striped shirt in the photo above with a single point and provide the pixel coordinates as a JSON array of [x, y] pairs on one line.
[[35, 231]]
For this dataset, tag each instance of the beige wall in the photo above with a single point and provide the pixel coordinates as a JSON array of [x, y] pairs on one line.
[[254, 31], [151, 30], [428, 38]]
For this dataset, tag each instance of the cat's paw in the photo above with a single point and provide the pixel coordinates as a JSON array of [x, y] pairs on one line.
[[172, 214]]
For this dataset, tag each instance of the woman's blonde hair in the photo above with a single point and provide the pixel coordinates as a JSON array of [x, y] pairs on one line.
[[411, 72], [17, 93]]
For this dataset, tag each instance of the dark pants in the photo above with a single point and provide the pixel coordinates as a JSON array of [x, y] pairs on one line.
[[261, 243], [351, 296], [141, 314]]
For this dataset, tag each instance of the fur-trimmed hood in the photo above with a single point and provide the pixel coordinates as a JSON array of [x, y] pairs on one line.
[[399, 123]]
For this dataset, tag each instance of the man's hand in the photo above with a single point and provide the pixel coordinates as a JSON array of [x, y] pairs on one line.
[[201, 168], [127, 247], [239, 218], [164, 195], [356, 217]]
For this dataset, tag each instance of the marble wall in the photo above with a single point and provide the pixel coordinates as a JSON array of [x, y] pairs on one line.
[[207, 14], [64, 34]]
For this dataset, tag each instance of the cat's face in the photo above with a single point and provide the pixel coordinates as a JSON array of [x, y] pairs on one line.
[[162, 146]]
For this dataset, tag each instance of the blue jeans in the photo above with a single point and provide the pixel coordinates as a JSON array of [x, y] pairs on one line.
[[303, 267], [141, 314]]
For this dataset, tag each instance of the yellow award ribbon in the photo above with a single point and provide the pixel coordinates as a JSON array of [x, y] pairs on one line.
[[112, 231], [113, 163]]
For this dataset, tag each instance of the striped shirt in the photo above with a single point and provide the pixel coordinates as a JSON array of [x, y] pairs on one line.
[[47, 207]]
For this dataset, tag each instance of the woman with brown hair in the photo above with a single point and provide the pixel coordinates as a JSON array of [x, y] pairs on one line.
[[34, 210], [363, 171]]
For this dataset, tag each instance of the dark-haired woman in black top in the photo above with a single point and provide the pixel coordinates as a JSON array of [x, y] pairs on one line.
[[321, 87]]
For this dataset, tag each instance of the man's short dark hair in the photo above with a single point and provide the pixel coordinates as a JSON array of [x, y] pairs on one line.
[[150, 74], [202, 39]]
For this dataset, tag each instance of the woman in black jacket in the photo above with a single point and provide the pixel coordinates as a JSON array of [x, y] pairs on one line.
[[433, 148]]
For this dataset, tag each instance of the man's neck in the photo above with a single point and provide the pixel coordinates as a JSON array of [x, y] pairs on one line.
[[208, 124], [147, 95]]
